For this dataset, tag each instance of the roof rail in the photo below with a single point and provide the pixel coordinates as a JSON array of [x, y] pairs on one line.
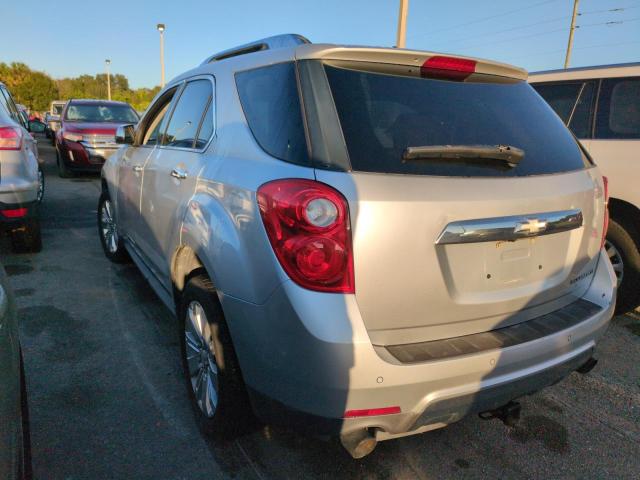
[[269, 43]]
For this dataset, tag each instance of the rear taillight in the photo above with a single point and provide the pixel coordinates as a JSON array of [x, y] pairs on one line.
[[10, 138], [448, 68], [605, 226], [307, 223]]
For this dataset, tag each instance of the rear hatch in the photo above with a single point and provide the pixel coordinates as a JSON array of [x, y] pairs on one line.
[[453, 236]]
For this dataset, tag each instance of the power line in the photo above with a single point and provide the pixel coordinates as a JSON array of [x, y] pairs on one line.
[[554, 31], [484, 19], [588, 47], [613, 22], [521, 27], [619, 9]]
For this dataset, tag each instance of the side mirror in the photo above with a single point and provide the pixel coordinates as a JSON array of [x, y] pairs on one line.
[[36, 126], [124, 134]]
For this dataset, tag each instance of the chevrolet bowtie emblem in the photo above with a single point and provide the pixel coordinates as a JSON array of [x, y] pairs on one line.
[[532, 226]]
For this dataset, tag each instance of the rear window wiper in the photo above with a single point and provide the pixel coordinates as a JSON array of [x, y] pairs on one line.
[[503, 153]]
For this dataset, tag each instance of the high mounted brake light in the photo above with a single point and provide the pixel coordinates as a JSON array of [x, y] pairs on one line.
[[447, 68]]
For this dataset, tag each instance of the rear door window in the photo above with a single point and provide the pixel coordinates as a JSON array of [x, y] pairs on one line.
[[9, 104], [382, 115], [618, 114], [561, 96], [271, 105], [187, 116]]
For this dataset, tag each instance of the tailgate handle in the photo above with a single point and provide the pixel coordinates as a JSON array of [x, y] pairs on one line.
[[510, 228]]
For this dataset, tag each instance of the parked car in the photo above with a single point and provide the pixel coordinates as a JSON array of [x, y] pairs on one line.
[[52, 119], [21, 179], [86, 137], [601, 105], [15, 452], [24, 113], [369, 242]]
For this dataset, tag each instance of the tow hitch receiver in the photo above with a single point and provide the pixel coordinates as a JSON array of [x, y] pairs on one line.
[[509, 414]]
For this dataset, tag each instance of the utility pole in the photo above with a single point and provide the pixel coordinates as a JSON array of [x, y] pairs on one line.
[[107, 62], [161, 29], [571, 30], [401, 38]]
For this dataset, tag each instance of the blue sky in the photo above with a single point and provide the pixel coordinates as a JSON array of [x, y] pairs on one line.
[[71, 37]]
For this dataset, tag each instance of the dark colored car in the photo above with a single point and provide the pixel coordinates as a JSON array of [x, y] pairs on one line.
[[86, 137], [15, 457]]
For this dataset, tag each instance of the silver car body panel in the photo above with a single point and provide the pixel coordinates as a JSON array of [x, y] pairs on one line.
[[319, 353], [19, 168]]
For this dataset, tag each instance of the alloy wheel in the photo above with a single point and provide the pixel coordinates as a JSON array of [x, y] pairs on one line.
[[108, 227], [201, 359], [616, 260], [40, 193]]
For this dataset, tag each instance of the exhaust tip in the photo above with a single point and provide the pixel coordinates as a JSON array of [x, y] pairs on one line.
[[587, 366], [359, 444]]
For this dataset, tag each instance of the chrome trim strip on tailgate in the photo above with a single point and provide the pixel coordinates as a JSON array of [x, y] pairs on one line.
[[543, 326], [510, 228]]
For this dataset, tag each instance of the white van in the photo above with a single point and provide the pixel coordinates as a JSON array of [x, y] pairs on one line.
[[601, 105]]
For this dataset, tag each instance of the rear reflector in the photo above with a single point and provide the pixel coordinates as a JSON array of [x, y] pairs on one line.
[[371, 412], [14, 213], [448, 68]]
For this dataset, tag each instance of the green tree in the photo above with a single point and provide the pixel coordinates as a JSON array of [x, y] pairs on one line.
[[34, 89]]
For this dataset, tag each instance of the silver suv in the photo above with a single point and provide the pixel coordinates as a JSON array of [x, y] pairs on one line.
[[21, 179], [369, 242]]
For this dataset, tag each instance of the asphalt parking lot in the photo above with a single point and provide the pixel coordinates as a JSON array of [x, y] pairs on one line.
[[108, 400]]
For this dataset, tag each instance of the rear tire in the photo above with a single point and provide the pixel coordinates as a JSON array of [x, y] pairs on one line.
[[624, 254], [63, 170], [111, 242], [27, 239], [213, 378]]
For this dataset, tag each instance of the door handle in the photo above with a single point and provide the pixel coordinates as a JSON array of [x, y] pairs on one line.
[[179, 174], [137, 168]]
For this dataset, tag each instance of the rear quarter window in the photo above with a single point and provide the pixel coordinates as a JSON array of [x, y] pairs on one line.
[[381, 115], [271, 104], [618, 114]]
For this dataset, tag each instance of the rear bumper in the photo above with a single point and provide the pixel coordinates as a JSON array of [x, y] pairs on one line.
[[307, 359], [9, 223]]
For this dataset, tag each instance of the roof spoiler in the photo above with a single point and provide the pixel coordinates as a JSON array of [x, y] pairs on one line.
[[269, 43]]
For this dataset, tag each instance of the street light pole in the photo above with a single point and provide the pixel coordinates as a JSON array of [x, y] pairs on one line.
[[107, 62], [571, 30], [161, 29], [401, 37]]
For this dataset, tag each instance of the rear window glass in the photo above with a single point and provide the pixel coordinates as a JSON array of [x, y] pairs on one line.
[[561, 97], [381, 115], [270, 101]]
